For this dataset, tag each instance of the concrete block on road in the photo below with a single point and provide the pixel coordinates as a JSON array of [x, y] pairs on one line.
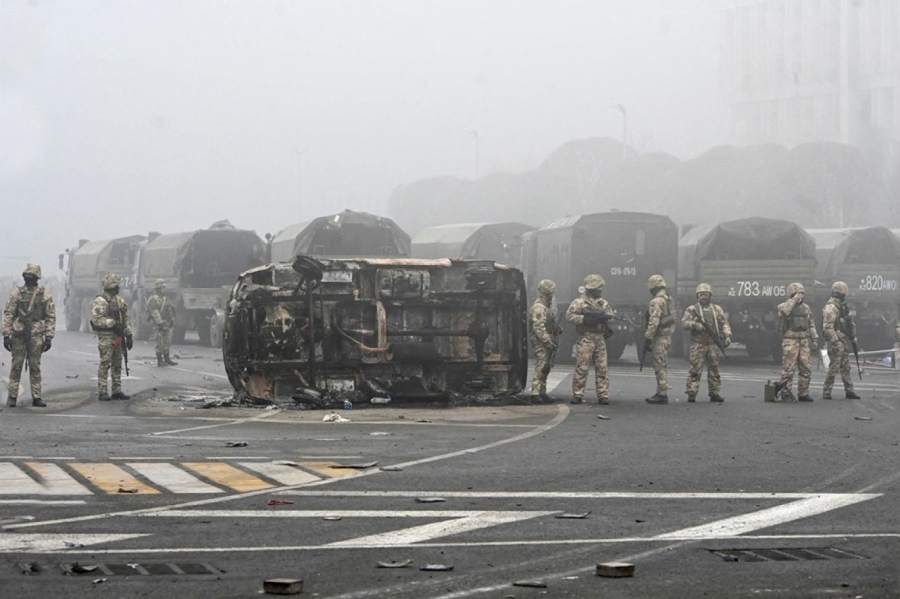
[[615, 570]]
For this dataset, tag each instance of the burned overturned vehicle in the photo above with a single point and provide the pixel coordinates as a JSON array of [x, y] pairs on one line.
[[376, 329]]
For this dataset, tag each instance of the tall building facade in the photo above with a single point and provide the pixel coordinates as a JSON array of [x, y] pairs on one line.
[[816, 70]]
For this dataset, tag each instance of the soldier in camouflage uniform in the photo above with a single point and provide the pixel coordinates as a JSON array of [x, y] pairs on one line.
[[799, 338], [162, 312], [703, 346], [545, 329], [109, 317], [28, 302], [658, 335], [590, 314], [836, 329]]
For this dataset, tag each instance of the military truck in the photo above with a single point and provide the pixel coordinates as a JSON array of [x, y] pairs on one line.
[[376, 328], [868, 260], [199, 267], [347, 234], [500, 242], [748, 263], [84, 267], [625, 248]]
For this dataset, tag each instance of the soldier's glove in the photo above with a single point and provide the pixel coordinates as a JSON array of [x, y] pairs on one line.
[[7, 343], [129, 341], [698, 328], [814, 344], [47, 343], [727, 341], [648, 344]]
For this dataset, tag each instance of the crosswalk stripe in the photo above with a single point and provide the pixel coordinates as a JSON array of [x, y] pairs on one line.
[[286, 475], [329, 469], [57, 481], [109, 478], [172, 478], [15, 482], [228, 476]]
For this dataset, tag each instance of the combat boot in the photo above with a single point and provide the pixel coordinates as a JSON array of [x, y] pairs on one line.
[[544, 396], [103, 397], [851, 395], [169, 360], [603, 401], [805, 398], [692, 397], [160, 361], [10, 402], [120, 395], [658, 399], [576, 400], [826, 394], [38, 402], [716, 398]]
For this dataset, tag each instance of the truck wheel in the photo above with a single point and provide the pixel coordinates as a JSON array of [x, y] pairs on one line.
[[73, 317], [615, 348], [777, 351], [86, 315], [215, 333], [178, 334]]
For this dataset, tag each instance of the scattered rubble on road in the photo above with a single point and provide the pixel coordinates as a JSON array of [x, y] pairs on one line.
[[615, 570], [395, 564]]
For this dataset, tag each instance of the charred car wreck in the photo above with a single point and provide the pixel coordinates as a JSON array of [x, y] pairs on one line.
[[376, 329]]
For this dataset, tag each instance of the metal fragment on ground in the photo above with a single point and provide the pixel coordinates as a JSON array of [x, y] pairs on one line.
[[532, 584], [99, 581], [602, 417], [436, 568], [570, 516], [358, 466], [331, 518], [279, 502], [236, 444], [862, 418], [615, 570], [391, 469], [401, 564], [380, 434], [430, 500], [127, 490], [335, 418]]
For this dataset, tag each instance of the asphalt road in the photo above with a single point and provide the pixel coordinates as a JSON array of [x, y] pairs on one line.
[[742, 499]]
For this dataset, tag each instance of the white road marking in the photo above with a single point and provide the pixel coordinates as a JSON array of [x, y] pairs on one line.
[[172, 478], [15, 482], [290, 513], [229, 423], [213, 374], [95, 354], [155, 457], [52, 543], [796, 510], [562, 411], [436, 530], [125, 378], [565, 494], [57, 481], [286, 475], [42, 502]]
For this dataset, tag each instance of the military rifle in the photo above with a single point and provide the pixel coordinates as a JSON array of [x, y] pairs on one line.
[[644, 343], [715, 336], [119, 330], [27, 325], [851, 332]]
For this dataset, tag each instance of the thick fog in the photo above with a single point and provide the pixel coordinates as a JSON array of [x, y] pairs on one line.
[[123, 117]]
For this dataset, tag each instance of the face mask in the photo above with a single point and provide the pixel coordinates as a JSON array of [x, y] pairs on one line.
[[704, 300], [31, 281], [113, 291]]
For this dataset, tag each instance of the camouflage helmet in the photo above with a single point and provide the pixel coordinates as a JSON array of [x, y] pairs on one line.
[[794, 288], [547, 287], [703, 288], [160, 284], [840, 287], [656, 281], [32, 269], [594, 282], [111, 281]]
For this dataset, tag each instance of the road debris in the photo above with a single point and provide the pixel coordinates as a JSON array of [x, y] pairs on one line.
[[401, 564], [391, 469], [77, 568], [430, 500], [436, 568], [568, 516], [531, 584], [615, 570], [127, 490], [29, 568], [99, 581], [862, 418], [279, 502], [16, 519], [602, 417], [331, 518], [286, 463], [422, 420], [357, 466], [71, 376], [283, 586], [236, 444], [380, 434], [335, 418], [72, 545]]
